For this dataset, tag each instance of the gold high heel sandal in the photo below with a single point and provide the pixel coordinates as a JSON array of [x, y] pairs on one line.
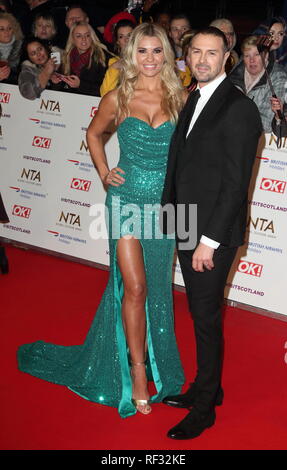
[[143, 406]]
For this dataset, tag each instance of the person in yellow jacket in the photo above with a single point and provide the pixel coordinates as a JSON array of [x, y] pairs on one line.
[[122, 32], [180, 62]]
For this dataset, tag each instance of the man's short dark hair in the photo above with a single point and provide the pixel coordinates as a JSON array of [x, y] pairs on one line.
[[77, 6], [212, 31], [180, 16]]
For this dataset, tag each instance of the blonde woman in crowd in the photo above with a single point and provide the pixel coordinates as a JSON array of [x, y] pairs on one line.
[[84, 61], [227, 28], [10, 46], [44, 28]]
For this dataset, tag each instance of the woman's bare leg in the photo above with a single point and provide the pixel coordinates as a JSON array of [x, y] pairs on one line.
[[131, 265]]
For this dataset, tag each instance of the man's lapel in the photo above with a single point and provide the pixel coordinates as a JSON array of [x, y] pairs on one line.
[[207, 115], [178, 138]]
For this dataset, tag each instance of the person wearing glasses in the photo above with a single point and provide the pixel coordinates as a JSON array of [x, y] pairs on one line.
[[249, 75], [227, 28]]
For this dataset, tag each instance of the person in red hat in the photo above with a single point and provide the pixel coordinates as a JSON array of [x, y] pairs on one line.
[[121, 34], [109, 28]]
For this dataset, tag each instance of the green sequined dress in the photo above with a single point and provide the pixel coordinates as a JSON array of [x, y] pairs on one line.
[[99, 369]]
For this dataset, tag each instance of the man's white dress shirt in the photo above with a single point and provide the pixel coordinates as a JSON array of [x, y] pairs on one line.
[[205, 93]]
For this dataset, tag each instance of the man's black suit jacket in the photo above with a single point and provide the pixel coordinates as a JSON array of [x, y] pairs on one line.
[[212, 167]]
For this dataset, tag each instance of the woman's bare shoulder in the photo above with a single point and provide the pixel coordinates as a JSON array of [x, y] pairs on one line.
[[109, 100]]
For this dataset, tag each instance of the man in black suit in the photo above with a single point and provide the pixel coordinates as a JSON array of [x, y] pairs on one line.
[[210, 163]]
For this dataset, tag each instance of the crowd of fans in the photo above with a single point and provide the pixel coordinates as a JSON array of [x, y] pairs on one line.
[[59, 49]]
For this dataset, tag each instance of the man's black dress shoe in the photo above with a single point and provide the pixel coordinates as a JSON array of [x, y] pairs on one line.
[[192, 425], [187, 399]]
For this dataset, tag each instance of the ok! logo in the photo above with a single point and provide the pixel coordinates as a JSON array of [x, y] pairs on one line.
[[93, 111], [5, 97], [276, 186], [42, 142], [21, 211], [247, 267], [81, 185]]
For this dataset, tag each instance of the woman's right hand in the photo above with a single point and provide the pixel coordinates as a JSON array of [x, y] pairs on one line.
[[50, 66], [276, 105], [113, 178], [4, 72], [55, 79]]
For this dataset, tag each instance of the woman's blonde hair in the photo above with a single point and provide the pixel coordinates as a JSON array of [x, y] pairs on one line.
[[172, 100], [248, 42], [46, 17], [14, 24], [219, 22], [97, 53]]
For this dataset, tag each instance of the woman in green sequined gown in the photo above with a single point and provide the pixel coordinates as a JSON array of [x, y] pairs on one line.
[[132, 337]]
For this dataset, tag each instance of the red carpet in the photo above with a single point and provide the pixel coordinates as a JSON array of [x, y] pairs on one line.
[[48, 298]]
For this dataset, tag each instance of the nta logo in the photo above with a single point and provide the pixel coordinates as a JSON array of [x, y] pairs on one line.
[[32, 175], [69, 218], [247, 267], [21, 211], [263, 225], [50, 105], [276, 186], [5, 97], [42, 142], [82, 185], [84, 146]]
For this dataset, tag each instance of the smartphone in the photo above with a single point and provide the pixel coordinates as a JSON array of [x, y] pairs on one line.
[[56, 56], [59, 75]]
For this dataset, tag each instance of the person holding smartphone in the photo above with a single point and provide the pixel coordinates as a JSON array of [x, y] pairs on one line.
[[37, 70]]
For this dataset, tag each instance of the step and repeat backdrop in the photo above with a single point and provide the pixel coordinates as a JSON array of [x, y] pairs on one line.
[[55, 199]]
